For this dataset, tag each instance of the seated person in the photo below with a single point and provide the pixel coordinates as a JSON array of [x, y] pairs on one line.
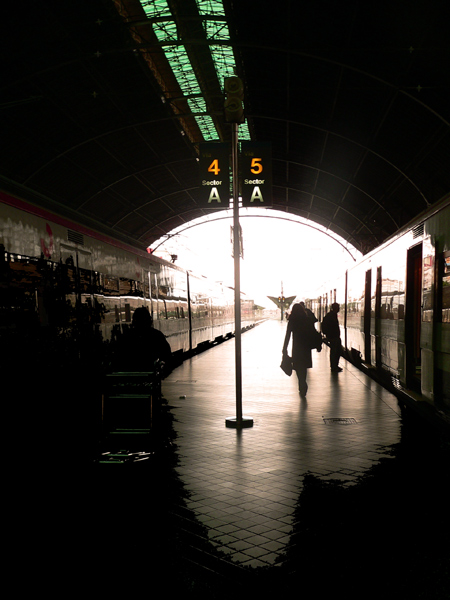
[[142, 345]]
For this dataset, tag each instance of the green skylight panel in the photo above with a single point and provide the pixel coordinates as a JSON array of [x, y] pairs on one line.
[[222, 55], [165, 31], [216, 29], [211, 7], [207, 127], [156, 8]]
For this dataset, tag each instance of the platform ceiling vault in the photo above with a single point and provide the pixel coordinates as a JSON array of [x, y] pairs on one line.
[[104, 103]]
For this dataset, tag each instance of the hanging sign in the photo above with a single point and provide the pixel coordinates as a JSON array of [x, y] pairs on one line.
[[214, 163], [256, 174]]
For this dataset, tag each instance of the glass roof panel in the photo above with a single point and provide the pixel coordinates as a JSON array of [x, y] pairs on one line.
[[216, 29]]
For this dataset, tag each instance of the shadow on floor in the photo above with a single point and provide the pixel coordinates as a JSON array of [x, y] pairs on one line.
[[386, 535]]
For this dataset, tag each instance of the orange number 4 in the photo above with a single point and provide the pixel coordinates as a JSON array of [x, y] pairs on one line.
[[214, 167]]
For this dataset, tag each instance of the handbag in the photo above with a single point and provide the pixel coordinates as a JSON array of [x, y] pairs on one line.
[[286, 364], [316, 340], [312, 338]]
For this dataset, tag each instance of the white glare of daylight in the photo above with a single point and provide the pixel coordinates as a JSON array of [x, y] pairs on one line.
[[296, 255]]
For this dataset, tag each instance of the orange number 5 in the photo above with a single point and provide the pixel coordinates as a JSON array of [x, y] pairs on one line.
[[256, 166]]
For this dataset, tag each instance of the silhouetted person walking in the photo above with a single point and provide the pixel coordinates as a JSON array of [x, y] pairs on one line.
[[304, 335], [330, 328], [309, 312]]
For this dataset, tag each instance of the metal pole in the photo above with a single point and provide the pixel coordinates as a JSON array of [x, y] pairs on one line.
[[237, 273], [239, 421]]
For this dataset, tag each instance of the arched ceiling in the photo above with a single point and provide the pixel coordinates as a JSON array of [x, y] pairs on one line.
[[354, 97]]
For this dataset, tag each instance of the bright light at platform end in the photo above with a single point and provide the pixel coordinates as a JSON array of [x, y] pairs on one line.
[[276, 251]]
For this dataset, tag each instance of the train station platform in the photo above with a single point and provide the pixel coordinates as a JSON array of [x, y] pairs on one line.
[[344, 491]]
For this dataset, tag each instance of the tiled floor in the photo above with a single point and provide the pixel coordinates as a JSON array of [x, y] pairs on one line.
[[244, 485], [293, 503]]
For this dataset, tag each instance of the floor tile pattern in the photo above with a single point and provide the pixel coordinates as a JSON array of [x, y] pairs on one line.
[[243, 485], [342, 491]]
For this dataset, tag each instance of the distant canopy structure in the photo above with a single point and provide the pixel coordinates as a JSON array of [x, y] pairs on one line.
[[282, 302]]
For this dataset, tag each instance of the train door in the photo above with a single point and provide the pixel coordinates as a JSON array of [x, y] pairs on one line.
[[367, 305], [377, 322], [413, 318], [427, 321]]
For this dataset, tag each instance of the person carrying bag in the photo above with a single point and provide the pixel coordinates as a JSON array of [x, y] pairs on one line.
[[286, 364], [305, 337]]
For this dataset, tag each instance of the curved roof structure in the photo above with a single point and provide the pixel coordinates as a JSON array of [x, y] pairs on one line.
[[104, 104]]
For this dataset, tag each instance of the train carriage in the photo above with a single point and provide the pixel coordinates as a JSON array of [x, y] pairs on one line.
[[56, 272], [395, 307]]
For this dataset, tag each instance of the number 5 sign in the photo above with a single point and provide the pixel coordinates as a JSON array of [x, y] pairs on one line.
[[214, 166], [256, 174]]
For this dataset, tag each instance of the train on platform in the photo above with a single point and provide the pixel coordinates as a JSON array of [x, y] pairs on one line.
[[57, 273], [395, 308]]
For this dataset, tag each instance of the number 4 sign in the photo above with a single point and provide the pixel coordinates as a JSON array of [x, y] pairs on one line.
[[214, 166], [256, 174]]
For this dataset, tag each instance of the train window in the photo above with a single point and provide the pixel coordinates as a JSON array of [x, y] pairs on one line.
[[171, 309], [445, 286], [355, 299], [84, 276], [392, 286], [23, 272], [125, 287], [22, 285], [153, 295], [96, 282], [130, 287], [146, 289], [107, 297], [108, 309], [127, 309], [389, 298], [163, 291], [428, 280], [111, 285]]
